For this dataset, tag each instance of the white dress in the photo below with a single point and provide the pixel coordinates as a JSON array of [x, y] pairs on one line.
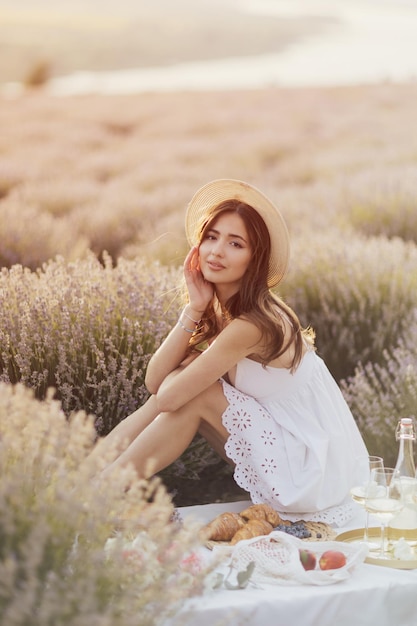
[[293, 439]]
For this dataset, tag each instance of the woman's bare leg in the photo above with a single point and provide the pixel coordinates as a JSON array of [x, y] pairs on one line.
[[215, 439], [128, 429], [168, 435]]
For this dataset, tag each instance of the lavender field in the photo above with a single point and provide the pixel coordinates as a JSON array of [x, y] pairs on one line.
[[93, 194]]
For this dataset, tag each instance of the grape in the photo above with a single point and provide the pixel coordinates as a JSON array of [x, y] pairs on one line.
[[297, 529]]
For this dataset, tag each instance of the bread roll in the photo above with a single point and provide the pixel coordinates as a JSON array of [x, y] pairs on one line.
[[253, 528], [262, 511], [223, 527]]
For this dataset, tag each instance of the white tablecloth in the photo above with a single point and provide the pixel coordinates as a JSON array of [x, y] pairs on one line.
[[372, 596]]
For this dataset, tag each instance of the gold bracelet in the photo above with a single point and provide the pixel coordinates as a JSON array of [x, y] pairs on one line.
[[188, 330]]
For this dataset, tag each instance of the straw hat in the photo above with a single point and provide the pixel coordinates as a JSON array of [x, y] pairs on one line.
[[218, 191]]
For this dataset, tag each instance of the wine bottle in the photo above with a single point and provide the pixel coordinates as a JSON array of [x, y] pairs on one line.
[[405, 523], [406, 435]]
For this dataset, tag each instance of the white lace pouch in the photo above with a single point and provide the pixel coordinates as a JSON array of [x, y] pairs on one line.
[[277, 559]]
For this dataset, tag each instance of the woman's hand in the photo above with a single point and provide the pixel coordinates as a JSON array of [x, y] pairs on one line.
[[200, 291]]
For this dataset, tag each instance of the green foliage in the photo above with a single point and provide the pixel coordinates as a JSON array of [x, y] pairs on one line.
[[63, 533], [52, 236], [381, 394], [87, 330], [200, 476], [385, 205], [358, 294]]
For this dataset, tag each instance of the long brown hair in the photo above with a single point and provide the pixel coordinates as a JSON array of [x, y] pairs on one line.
[[254, 301]]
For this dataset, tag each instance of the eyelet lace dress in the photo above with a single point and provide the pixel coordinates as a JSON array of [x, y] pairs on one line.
[[293, 439]]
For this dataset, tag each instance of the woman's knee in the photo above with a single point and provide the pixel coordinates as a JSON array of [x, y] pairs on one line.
[[208, 405], [213, 404]]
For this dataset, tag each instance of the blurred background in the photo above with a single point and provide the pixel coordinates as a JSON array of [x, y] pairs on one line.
[[123, 46]]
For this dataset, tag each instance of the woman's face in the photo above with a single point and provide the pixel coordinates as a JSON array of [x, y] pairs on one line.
[[225, 251]]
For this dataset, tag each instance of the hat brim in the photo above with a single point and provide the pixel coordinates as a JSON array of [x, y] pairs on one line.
[[217, 191]]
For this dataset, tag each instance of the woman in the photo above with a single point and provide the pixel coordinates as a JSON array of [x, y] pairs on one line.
[[239, 369]]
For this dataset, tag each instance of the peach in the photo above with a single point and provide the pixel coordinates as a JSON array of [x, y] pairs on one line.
[[308, 559], [332, 559]]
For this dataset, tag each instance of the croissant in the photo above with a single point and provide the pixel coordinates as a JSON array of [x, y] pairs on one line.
[[223, 527], [253, 528], [262, 511]]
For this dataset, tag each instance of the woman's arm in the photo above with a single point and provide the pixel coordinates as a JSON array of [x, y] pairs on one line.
[[172, 351], [239, 339]]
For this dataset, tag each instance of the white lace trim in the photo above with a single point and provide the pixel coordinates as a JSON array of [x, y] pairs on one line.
[[256, 480], [338, 515]]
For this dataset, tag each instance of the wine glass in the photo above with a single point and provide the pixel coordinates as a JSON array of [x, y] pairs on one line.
[[363, 468], [383, 499]]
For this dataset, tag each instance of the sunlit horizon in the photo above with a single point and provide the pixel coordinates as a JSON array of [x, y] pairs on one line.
[[317, 43]]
